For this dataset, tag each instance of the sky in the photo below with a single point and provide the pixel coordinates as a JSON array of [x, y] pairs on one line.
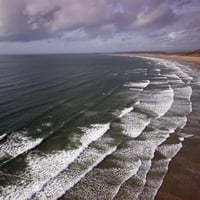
[[92, 26]]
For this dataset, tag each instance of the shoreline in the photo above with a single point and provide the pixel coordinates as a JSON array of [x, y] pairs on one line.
[[182, 180], [194, 61]]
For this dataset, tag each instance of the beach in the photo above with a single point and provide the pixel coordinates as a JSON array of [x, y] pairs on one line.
[[194, 60], [98, 127], [182, 181]]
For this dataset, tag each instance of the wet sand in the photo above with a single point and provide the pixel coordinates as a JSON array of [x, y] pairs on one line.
[[182, 181]]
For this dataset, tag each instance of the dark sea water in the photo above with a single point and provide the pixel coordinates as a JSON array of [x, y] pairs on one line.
[[90, 126]]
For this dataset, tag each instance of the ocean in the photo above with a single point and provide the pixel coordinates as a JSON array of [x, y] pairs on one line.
[[90, 126]]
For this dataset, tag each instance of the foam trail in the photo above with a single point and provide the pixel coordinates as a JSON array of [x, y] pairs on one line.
[[177, 116], [169, 150], [171, 120], [134, 123], [174, 79], [158, 170], [106, 181], [144, 150], [3, 136], [156, 101], [125, 111], [17, 143], [42, 167], [184, 92], [57, 186], [141, 84], [177, 67]]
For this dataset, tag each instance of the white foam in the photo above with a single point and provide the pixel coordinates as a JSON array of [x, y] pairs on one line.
[[160, 167], [180, 71], [99, 180], [3, 136], [156, 100], [130, 170], [176, 118], [134, 123], [181, 139], [196, 81], [182, 107], [152, 185], [144, 150], [169, 150], [94, 132], [176, 121], [136, 89], [152, 140], [184, 135], [174, 79], [57, 186], [18, 143], [39, 130], [184, 92], [125, 111], [158, 82], [141, 84], [170, 122], [41, 168], [157, 70], [47, 124]]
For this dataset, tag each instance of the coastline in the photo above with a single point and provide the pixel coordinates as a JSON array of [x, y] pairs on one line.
[[182, 181], [194, 61]]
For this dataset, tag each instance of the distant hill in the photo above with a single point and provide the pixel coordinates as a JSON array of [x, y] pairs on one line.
[[140, 52], [194, 53]]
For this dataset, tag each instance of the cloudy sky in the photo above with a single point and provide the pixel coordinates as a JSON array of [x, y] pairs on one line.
[[68, 26]]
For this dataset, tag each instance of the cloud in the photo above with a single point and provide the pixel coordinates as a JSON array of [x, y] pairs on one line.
[[83, 20], [35, 19]]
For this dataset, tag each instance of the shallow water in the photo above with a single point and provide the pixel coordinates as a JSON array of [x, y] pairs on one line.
[[89, 126]]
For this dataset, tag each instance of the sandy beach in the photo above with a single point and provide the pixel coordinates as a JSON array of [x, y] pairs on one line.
[[194, 60], [182, 181]]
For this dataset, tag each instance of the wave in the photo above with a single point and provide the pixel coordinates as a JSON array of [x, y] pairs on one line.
[[134, 123], [140, 84], [20, 142], [158, 172], [156, 100], [177, 67], [41, 168], [145, 184], [17, 143], [58, 185], [169, 150], [3, 136], [184, 92], [106, 181], [128, 162], [125, 111]]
